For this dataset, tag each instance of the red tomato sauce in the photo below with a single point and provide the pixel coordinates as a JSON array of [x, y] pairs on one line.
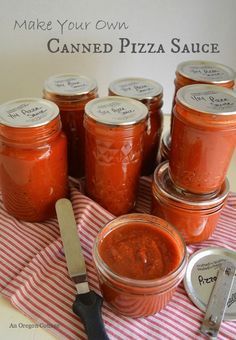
[[152, 138], [140, 251]]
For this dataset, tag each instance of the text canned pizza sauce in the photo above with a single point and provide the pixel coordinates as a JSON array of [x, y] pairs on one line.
[[71, 92], [150, 93], [33, 158], [114, 128], [140, 260], [203, 137], [203, 72], [194, 215]]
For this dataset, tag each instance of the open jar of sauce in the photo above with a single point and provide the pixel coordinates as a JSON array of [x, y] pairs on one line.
[[71, 92], [203, 137], [114, 147], [194, 215], [140, 260], [33, 158], [150, 93], [203, 72]]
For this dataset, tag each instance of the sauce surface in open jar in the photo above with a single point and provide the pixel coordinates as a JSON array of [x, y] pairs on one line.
[[194, 215], [140, 260], [203, 72], [33, 158], [203, 137], [150, 93], [114, 147], [71, 92]]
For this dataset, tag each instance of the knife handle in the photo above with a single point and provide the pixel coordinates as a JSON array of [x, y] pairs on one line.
[[88, 307]]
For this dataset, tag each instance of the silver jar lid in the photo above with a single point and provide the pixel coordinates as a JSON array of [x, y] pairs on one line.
[[209, 99], [28, 112], [69, 84], [137, 88], [206, 72], [201, 275], [114, 110], [165, 187]]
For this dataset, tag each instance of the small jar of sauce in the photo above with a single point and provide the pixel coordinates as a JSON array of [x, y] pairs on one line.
[[150, 93], [114, 147], [203, 72], [203, 137], [195, 216], [140, 260], [71, 92], [33, 158]]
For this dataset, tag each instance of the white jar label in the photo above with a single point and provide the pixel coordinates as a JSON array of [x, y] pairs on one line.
[[116, 110], [209, 99], [69, 84], [29, 112], [208, 72], [137, 88]]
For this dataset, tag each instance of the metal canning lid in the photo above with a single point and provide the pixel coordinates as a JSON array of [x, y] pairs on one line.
[[206, 71], [201, 275], [69, 85], [28, 112], [137, 88], [114, 110], [209, 99], [167, 189]]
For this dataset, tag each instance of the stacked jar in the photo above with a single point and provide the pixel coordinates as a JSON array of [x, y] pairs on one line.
[[71, 92], [150, 93], [203, 139], [197, 72]]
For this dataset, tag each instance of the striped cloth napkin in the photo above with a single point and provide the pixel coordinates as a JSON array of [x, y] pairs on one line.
[[34, 277]]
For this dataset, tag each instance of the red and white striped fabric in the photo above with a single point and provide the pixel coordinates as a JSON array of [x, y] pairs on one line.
[[33, 274]]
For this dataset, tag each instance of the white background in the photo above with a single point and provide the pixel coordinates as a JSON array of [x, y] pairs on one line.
[[25, 61]]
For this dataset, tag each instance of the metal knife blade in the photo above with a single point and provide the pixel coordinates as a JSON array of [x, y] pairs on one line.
[[88, 304], [72, 247]]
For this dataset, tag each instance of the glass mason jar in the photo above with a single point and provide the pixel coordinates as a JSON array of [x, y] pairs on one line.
[[71, 92], [203, 72], [114, 128], [140, 260], [164, 151], [150, 93], [203, 137], [33, 158], [195, 216]]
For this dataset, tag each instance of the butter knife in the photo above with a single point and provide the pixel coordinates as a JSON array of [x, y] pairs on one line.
[[87, 304]]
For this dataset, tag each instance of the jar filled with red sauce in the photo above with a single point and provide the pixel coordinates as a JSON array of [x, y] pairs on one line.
[[71, 92], [203, 72], [194, 215], [33, 158], [203, 137], [164, 151], [140, 260], [150, 93], [114, 147]]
